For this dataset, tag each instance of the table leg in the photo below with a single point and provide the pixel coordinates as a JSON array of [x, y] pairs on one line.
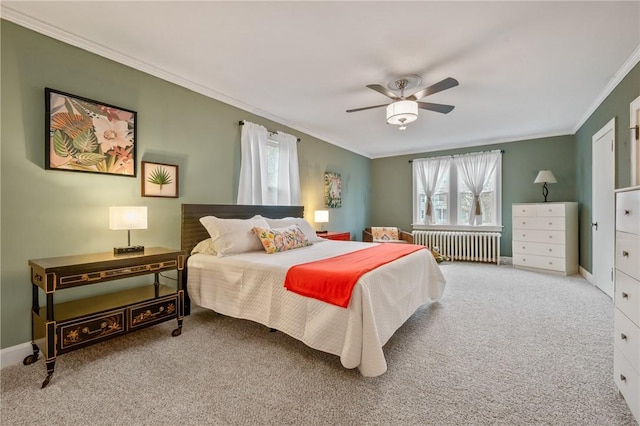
[[51, 365]]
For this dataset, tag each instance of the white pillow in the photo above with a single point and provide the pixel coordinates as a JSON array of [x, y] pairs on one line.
[[205, 247], [306, 228], [232, 236]]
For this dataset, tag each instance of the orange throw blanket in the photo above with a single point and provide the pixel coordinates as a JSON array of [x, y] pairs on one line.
[[332, 280]]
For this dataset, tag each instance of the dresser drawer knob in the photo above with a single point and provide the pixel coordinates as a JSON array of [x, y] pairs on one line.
[[624, 379], [625, 253], [627, 212], [550, 236], [625, 295], [103, 326], [623, 336]]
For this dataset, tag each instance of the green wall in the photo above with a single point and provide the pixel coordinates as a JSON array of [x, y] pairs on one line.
[[54, 213], [391, 203], [615, 105], [569, 157]]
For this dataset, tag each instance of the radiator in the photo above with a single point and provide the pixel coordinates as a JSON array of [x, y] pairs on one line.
[[462, 245]]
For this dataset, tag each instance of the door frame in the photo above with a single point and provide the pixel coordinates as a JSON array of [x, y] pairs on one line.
[[595, 254], [634, 139]]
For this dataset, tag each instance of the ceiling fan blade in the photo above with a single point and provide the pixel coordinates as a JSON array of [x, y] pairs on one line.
[[445, 109], [365, 108], [383, 90], [447, 83]]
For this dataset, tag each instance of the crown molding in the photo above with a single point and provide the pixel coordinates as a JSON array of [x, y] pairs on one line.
[[9, 14], [626, 67], [463, 144], [64, 36]]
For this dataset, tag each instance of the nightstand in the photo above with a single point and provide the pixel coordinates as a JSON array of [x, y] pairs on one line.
[[338, 236], [58, 328]]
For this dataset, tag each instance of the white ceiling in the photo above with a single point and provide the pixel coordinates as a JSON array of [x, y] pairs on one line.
[[526, 69]]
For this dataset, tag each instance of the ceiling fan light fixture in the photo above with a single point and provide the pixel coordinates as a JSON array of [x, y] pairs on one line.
[[401, 113]]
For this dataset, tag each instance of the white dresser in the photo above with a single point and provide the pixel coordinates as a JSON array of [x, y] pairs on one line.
[[545, 237], [626, 351]]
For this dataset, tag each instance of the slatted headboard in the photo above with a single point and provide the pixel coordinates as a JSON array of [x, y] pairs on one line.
[[192, 231]]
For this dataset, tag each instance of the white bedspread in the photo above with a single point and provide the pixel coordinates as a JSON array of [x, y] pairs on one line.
[[250, 286]]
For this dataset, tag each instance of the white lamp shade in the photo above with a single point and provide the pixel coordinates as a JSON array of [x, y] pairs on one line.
[[545, 176], [128, 217], [321, 216], [402, 112]]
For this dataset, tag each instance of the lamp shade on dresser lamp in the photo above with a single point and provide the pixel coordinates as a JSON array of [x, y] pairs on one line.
[[128, 217]]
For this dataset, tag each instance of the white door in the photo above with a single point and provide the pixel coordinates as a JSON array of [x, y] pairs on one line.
[[634, 119], [603, 207]]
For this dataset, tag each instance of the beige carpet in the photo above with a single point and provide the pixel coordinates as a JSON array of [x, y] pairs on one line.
[[503, 347]]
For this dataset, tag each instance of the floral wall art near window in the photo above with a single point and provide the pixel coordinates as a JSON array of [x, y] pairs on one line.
[[332, 190], [89, 136], [159, 180]]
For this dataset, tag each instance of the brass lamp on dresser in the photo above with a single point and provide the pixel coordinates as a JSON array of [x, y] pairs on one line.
[[545, 237], [626, 351]]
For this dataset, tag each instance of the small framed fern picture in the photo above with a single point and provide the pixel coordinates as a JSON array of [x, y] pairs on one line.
[[159, 180]]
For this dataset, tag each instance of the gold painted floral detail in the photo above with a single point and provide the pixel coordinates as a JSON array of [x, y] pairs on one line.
[[107, 326], [72, 335]]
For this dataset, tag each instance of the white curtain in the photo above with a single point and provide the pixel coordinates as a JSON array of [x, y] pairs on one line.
[[430, 172], [475, 170], [252, 187], [288, 173]]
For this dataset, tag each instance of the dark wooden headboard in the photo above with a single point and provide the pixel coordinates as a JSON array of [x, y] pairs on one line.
[[192, 231]]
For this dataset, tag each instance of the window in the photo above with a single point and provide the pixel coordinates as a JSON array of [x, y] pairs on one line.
[[273, 160], [454, 183], [268, 167]]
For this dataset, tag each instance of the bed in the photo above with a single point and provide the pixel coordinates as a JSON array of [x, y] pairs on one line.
[[249, 285]]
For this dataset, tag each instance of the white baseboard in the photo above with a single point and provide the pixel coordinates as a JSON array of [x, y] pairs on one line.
[[506, 260], [586, 275], [15, 354]]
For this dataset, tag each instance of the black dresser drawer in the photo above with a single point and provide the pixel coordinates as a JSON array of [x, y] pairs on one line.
[[153, 311], [90, 330]]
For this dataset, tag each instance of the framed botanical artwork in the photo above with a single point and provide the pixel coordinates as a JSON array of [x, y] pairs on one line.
[[332, 190], [159, 180], [83, 135]]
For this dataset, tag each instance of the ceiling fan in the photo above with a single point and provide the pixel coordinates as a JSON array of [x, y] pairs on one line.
[[404, 109]]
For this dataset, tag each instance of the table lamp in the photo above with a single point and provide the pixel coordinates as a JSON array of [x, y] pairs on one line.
[[128, 217], [321, 217], [544, 177]]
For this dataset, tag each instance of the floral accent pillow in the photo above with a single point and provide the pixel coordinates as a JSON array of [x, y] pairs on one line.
[[275, 240], [308, 230]]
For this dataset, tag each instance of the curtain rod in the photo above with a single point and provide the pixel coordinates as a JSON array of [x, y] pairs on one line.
[[458, 155], [241, 123]]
